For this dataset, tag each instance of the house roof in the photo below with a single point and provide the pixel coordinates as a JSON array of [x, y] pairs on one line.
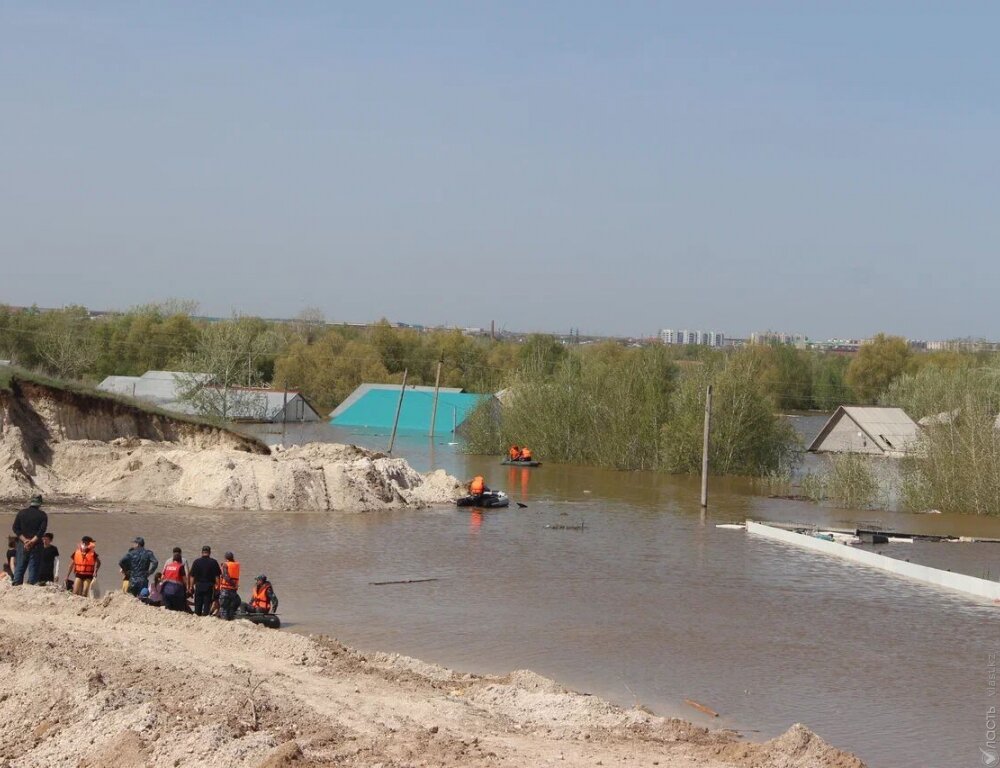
[[374, 406], [890, 429], [162, 388], [364, 389]]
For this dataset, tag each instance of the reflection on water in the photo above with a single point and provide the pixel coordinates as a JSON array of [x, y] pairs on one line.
[[646, 604]]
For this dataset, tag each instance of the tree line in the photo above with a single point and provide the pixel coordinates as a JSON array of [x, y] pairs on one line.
[[603, 404]]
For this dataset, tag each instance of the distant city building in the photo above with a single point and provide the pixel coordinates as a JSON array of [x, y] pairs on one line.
[[777, 337], [705, 338], [963, 345]]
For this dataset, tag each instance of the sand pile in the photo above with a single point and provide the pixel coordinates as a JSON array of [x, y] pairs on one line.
[[116, 683], [64, 444], [312, 477]]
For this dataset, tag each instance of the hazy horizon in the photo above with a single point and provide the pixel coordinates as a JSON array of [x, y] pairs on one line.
[[828, 170]]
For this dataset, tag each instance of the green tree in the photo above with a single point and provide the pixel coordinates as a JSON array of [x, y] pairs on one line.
[[541, 354], [328, 370], [878, 363], [748, 437]]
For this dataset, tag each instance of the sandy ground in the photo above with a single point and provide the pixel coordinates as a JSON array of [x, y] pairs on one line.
[[87, 683]]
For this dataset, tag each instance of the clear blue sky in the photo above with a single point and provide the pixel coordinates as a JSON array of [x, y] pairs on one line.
[[617, 167]]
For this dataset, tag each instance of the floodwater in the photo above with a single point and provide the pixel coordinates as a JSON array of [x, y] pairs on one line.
[[649, 603]]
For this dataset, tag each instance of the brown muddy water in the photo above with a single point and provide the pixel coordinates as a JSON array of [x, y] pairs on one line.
[[650, 603]]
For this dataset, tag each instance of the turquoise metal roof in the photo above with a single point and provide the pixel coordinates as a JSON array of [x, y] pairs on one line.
[[374, 406]]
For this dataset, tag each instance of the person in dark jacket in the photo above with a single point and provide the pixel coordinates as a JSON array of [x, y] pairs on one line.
[[139, 563], [50, 560], [203, 576], [10, 559], [29, 526]]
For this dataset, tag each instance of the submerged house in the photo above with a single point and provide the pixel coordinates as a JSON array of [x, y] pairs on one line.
[[857, 429], [373, 406], [250, 404]]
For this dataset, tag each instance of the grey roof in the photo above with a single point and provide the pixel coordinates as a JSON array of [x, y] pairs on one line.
[[890, 429], [364, 389], [162, 388], [174, 375]]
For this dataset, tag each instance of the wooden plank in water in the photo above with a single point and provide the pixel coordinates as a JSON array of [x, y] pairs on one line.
[[701, 707]]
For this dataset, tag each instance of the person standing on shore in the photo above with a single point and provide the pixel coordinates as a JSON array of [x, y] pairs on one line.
[[229, 583], [174, 585], [139, 563], [84, 566], [29, 526], [203, 576], [50, 559], [10, 559]]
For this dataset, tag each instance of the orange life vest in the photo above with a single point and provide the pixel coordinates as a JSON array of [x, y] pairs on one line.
[[230, 575], [260, 597], [514, 453], [477, 486], [85, 561], [172, 572], [525, 454]]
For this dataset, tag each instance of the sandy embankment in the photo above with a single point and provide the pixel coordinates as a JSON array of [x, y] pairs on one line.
[[70, 445], [88, 683]]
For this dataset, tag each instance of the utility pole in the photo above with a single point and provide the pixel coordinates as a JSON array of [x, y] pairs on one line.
[[399, 407], [284, 413], [704, 448], [434, 410]]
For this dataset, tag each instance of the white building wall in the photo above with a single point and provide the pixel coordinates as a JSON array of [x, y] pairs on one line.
[[847, 437]]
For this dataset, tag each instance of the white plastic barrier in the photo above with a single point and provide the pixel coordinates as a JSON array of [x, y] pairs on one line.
[[970, 585]]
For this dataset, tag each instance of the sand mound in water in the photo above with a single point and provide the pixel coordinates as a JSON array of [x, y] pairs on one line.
[[111, 682], [68, 444]]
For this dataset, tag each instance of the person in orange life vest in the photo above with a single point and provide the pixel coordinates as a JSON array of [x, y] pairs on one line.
[[478, 486], [173, 586], [263, 600], [229, 583], [514, 454], [84, 566], [525, 454]]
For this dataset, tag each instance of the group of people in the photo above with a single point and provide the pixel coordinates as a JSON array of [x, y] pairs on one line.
[[515, 453], [212, 586]]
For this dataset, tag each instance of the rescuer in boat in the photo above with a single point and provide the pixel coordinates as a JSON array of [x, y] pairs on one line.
[[478, 487], [514, 454], [525, 454], [263, 600]]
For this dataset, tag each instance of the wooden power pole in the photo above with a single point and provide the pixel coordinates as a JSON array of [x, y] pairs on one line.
[[399, 408], [704, 447], [434, 410]]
